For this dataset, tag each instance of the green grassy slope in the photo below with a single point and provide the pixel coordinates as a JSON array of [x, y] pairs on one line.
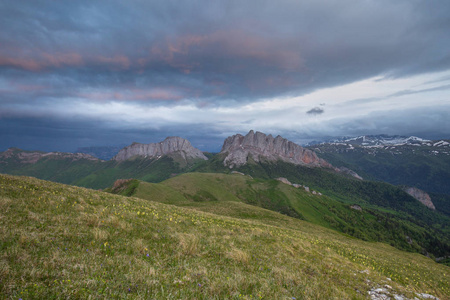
[[406, 165], [97, 174], [60, 241], [152, 170], [223, 194], [60, 170], [348, 190]]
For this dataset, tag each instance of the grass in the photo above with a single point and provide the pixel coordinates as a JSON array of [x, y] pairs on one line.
[[96, 174], [220, 193], [60, 241]]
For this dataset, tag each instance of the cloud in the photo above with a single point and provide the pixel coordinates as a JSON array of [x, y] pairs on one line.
[[427, 122], [222, 52], [156, 67], [315, 111], [411, 92]]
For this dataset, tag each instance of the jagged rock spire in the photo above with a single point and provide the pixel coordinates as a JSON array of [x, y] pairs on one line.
[[169, 145], [261, 146]]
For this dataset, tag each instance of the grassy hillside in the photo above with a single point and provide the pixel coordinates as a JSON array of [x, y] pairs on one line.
[[152, 170], [63, 170], [422, 167], [222, 194], [97, 174], [59, 241], [343, 188]]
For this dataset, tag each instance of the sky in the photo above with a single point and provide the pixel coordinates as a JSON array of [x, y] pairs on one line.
[[94, 73]]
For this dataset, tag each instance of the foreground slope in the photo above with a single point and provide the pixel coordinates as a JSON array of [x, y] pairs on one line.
[[62, 241]]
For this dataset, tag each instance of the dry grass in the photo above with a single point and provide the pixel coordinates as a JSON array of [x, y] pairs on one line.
[[188, 244], [239, 256], [100, 234], [140, 246]]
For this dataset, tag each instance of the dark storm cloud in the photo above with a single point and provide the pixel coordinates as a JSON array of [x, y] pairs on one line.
[[58, 134], [225, 50], [201, 54], [315, 111]]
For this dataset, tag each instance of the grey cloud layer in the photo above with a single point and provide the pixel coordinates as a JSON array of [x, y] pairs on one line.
[[218, 51], [209, 54]]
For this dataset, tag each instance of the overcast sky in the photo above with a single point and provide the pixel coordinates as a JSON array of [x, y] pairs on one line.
[[91, 73]]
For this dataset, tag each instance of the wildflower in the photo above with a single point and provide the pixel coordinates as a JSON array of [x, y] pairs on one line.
[[148, 255]]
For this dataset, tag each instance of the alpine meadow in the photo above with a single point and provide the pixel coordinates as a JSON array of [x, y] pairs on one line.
[[276, 150]]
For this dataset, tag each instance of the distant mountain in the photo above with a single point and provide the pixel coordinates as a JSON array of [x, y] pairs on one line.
[[382, 140], [239, 150], [260, 147], [180, 147], [152, 162], [55, 166], [102, 152], [17, 155], [409, 161]]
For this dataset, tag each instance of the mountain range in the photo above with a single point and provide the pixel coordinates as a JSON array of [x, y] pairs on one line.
[[383, 140], [403, 161], [403, 216], [263, 218], [153, 162]]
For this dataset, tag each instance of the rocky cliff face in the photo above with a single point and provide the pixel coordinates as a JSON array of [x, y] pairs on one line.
[[31, 157], [155, 150], [238, 148], [349, 172], [420, 195]]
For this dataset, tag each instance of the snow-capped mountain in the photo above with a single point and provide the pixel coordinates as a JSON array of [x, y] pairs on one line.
[[384, 141], [399, 160]]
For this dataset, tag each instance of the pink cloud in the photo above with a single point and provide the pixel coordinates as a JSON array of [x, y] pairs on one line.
[[22, 63], [44, 60], [188, 52], [134, 95], [61, 59]]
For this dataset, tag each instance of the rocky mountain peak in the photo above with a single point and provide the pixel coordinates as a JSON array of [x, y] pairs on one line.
[[265, 147], [170, 145]]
